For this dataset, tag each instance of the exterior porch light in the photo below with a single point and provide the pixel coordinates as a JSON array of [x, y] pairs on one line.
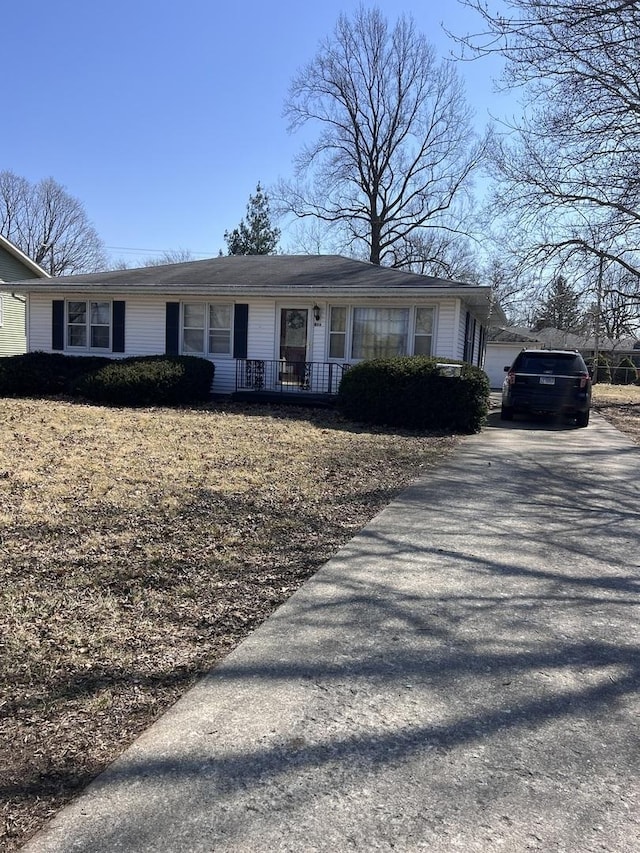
[[316, 313]]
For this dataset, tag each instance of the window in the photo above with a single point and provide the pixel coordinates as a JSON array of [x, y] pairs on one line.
[[338, 332], [220, 329], [100, 325], [376, 332], [379, 332], [209, 325], [565, 364], [89, 325], [424, 331], [193, 327]]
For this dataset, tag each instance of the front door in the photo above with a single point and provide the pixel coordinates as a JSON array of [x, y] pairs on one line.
[[294, 326]]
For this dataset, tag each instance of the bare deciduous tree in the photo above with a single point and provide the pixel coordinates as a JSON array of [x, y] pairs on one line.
[[396, 149], [49, 225], [170, 256], [440, 253], [619, 309], [569, 171]]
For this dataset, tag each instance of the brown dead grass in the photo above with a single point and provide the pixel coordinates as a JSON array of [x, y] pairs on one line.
[[139, 547], [620, 405]]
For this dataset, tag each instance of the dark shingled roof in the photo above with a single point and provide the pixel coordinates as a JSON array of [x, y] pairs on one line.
[[240, 276], [260, 273], [513, 335]]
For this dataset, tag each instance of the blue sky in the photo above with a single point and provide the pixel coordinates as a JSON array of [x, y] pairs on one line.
[[162, 117]]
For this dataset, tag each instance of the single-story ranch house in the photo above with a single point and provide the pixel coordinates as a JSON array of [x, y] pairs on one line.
[[289, 323], [14, 265]]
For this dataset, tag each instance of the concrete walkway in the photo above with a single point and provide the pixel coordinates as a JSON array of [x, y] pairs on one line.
[[463, 675]]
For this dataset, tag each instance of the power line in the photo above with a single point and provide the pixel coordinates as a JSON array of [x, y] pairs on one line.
[[158, 251]]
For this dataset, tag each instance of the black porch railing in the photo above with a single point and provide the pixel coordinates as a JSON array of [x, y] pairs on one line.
[[313, 377]]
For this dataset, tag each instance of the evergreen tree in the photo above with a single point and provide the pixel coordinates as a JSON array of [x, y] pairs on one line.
[[255, 235], [561, 309]]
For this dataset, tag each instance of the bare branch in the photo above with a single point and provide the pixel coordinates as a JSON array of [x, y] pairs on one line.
[[49, 225], [568, 173], [395, 151]]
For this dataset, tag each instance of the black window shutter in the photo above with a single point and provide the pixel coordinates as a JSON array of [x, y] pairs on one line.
[[172, 334], [118, 326], [240, 330], [482, 342], [57, 324], [468, 346]]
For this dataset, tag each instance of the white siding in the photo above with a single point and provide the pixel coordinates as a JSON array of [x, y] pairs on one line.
[[144, 325], [145, 319], [263, 327], [39, 318], [319, 343], [262, 330], [13, 339], [444, 344], [144, 332], [462, 321], [224, 379]]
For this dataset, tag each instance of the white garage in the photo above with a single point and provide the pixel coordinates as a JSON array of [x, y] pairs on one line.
[[502, 347]]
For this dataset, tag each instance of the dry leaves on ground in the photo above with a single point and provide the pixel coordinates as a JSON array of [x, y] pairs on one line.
[[620, 405], [139, 547]]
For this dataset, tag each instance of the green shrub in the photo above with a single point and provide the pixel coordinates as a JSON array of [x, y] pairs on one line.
[[41, 374], [625, 372], [150, 381], [412, 393], [143, 381]]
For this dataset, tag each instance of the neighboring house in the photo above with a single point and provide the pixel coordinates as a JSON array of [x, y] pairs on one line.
[[505, 342], [503, 345], [269, 323], [14, 266]]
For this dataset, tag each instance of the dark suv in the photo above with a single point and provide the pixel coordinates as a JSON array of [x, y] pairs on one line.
[[547, 381]]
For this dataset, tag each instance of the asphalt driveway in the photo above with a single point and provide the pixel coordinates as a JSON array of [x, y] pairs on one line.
[[463, 675]]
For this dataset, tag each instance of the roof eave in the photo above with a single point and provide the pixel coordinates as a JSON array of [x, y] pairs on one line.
[[472, 295], [19, 255]]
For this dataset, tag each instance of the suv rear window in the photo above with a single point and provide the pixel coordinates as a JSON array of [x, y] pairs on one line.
[[555, 364]]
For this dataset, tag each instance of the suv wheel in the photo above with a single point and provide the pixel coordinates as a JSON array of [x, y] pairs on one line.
[[582, 419], [506, 413]]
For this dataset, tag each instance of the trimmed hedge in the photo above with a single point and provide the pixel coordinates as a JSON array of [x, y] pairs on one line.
[[41, 374], [411, 392], [149, 381], [140, 381]]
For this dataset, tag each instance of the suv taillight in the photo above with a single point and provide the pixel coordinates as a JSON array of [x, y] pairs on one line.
[[584, 380], [511, 377]]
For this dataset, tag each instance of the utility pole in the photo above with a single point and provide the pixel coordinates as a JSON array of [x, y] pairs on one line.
[[596, 344]]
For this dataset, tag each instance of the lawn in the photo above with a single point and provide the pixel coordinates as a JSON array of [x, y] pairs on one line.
[[139, 547], [619, 404]]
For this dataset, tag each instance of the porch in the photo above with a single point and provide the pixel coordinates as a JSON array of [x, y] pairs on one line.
[[309, 382]]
